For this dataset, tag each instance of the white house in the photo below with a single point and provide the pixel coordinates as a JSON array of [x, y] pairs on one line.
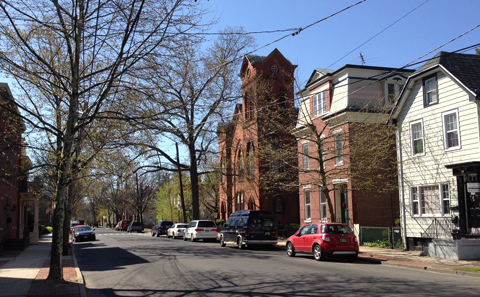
[[438, 148]]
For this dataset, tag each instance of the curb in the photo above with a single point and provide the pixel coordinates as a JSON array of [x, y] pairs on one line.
[[80, 279], [421, 268]]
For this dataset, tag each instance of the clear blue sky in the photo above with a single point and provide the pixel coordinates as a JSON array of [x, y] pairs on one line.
[[431, 25]]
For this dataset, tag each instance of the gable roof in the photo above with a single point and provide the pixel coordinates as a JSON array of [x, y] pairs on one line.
[[253, 59], [464, 68]]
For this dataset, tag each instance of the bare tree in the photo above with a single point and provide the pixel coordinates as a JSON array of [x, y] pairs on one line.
[[72, 60], [185, 97]]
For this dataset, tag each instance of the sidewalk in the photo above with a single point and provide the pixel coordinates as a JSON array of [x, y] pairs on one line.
[[24, 273], [413, 260]]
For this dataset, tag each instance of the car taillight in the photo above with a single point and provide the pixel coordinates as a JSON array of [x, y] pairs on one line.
[[247, 232], [179, 230], [198, 230], [214, 230], [276, 233], [326, 238]]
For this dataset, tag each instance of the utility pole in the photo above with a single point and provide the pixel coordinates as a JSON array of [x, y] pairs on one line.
[[181, 185]]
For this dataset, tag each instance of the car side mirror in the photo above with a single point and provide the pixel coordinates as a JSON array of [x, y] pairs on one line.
[[297, 233]]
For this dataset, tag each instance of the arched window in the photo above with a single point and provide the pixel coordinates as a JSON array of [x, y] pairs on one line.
[[241, 167], [251, 161], [251, 204]]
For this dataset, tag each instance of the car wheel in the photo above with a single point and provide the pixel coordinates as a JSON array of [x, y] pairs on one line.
[[239, 242], [184, 237], [94, 238], [191, 238], [158, 234], [222, 242], [290, 250], [153, 234], [352, 258], [317, 253]]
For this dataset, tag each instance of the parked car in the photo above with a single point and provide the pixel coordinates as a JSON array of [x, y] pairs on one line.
[[176, 230], [250, 227], [73, 224], [135, 226], [83, 233], [323, 240], [123, 225], [200, 229], [161, 227]]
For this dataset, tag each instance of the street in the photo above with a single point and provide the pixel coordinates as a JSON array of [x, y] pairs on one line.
[[124, 264]]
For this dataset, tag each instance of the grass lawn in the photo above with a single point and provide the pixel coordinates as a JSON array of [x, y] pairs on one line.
[[469, 269]]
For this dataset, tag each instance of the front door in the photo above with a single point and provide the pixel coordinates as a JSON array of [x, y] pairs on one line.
[[341, 203], [473, 212]]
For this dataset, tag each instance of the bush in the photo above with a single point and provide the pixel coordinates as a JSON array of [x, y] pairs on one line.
[[41, 229], [219, 222], [48, 230], [44, 230]]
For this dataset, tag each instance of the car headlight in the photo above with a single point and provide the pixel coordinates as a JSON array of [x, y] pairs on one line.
[[77, 234]]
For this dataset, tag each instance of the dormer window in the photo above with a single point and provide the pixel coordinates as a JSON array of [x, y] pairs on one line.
[[319, 104], [430, 91], [392, 91]]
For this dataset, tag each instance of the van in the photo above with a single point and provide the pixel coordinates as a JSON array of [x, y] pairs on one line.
[[161, 227], [249, 227]]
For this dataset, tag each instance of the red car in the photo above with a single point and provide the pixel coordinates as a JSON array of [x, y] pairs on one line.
[[323, 240], [123, 225]]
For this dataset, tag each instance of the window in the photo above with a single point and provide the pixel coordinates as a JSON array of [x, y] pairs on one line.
[[417, 138], [415, 201], [241, 167], [239, 205], [392, 92], [320, 103], [278, 205], [432, 200], [430, 93], [306, 158], [451, 133], [314, 229], [304, 230], [445, 199], [308, 215], [321, 153], [251, 162], [338, 149], [323, 207]]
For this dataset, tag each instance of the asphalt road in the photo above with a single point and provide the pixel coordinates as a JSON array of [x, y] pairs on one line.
[[122, 264]]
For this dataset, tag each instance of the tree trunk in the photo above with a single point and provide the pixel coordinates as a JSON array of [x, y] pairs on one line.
[[194, 183]]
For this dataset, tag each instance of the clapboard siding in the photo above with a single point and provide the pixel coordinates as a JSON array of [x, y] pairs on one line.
[[429, 169]]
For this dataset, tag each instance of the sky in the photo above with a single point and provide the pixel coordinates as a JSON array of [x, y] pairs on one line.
[[429, 26]]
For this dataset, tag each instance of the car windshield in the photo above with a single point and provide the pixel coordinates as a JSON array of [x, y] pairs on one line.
[[126, 222], [206, 224], [83, 228], [182, 226], [336, 229]]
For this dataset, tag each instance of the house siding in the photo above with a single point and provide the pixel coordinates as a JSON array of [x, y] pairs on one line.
[[430, 168]]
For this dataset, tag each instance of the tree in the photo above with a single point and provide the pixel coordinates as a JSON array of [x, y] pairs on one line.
[[167, 203], [72, 60], [185, 97]]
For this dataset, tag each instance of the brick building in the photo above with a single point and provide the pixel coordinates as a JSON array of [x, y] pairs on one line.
[[12, 158], [338, 130], [246, 142]]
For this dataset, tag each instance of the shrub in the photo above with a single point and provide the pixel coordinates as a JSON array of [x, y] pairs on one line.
[[48, 229], [41, 229]]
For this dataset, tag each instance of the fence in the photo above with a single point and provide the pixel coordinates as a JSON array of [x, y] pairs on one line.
[[381, 235]]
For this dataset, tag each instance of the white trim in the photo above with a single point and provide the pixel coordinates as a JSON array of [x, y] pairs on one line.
[[439, 186], [412, 150], [339, 181], [459, 146], [307, 187]]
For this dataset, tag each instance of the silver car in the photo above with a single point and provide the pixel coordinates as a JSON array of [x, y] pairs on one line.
[[135, 226], [176, 230]]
